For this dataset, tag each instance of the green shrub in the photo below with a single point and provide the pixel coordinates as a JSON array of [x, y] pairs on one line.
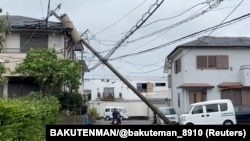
[[25, 119], [71, 102], [92, 115]]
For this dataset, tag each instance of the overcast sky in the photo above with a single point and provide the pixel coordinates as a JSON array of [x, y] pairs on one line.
[[107, 22]]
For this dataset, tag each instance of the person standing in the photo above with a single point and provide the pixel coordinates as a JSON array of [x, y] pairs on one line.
[[116, 115]]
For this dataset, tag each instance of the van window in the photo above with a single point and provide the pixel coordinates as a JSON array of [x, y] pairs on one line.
[[223, 107], [122, 110], [212, 108], [197, 110], [107, 109], [170, 111]]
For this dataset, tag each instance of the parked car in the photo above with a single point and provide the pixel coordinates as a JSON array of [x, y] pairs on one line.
[[242, 114], [213, 112], [109, 110], [170, 113]]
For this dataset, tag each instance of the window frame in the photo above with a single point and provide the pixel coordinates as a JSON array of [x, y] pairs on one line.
[[212, 62]]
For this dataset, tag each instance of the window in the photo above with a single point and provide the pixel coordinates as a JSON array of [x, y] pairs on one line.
[[223, 107], [177, 65], [170, 111], [145, 87], [108, 92], [107, 110], [197, 110], [212, 108], [142, 87], [30, 40], [212, 62], [160, 84]]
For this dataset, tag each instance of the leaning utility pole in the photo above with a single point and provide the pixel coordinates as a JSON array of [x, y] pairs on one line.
[[153, 108], [77, 39]]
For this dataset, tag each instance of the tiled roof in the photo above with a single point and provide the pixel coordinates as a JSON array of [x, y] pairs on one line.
[[21, 22], [219, 41], [214, 42]]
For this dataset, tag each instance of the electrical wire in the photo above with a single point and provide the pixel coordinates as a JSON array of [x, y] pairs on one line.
[[211, 6], [185, 11], [203, 39], [119, 19], [144, 18], [188, 36]]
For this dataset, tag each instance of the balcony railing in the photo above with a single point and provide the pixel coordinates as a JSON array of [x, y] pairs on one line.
[[16, 50], [245, 67]]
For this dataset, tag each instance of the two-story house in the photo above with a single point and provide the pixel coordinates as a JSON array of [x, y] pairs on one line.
[[26, 33], [114, 92], [209, 68]]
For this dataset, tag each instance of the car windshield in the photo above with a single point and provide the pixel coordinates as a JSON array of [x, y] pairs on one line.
[[169, 111], [122, 110], [189, 108]]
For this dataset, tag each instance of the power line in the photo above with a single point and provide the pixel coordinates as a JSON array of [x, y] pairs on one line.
[[212, 6], [203, 39], [133, 29], [188, 36], [185, 11], [119, 19]]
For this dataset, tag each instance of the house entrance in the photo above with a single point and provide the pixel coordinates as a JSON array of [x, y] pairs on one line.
[[197, 96]]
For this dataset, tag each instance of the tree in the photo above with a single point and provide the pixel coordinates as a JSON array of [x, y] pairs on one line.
[[50, 71], [3, 79], [71, 102], [3, 28]]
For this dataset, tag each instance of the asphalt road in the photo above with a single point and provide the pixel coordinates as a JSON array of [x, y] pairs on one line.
[[141, 122], [125, 122]]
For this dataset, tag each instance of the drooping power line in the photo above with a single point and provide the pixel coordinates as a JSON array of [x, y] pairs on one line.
[[144, 18]]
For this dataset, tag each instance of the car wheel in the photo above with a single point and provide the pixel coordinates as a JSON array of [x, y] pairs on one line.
[[228, 122], [107, 118], [189, 124]]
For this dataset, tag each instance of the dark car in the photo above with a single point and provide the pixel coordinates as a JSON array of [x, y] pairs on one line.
[[242, 114]]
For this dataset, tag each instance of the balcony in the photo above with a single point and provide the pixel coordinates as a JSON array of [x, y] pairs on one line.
[[245, 75]]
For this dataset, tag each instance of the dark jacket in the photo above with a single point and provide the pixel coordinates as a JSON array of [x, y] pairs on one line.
[[116, 115]]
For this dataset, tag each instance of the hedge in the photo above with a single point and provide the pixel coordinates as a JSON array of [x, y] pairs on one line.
[[25, 119]]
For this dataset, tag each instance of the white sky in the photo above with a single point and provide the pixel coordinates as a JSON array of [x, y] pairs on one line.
[[110, 20]]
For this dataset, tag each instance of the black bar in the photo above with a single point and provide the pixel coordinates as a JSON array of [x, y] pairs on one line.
[[173, 132]]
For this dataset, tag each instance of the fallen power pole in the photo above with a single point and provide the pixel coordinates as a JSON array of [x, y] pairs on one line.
[[77, 39], [127, 83]]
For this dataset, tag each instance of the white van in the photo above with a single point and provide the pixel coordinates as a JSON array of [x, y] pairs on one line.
[[109, 110], [213, 112]]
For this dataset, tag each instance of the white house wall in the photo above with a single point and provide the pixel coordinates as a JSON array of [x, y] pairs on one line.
[[56, 41], [133, 108], [12, 55], [97, 85], [190, 74], [12, 42]]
